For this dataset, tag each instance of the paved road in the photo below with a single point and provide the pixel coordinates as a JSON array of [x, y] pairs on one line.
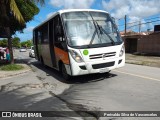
[[131, 88], [122, 90]]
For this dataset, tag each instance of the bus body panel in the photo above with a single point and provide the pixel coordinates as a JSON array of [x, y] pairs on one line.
[[45, 54], [101, 53], [100, 63], [61, 55]]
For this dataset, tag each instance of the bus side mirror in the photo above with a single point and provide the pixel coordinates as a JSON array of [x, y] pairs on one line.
[[114, 20], [59, 30]]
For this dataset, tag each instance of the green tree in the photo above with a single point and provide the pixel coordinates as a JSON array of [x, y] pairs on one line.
[[28, 11], [27, 43], [3, 43], [16, 42], [14, 14], [23, 44]]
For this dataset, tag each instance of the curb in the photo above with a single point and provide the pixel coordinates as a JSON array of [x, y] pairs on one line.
[[14, 74], [5, 74]]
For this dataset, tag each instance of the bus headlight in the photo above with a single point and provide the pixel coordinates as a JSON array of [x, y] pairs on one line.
[[76, 56], [122, 51]]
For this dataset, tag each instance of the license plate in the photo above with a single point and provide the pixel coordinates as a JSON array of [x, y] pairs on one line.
[[103, 70]]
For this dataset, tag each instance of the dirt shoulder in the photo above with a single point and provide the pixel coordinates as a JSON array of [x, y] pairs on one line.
[[143, 60]]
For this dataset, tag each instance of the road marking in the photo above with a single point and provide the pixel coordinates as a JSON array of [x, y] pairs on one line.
[[141, 76]]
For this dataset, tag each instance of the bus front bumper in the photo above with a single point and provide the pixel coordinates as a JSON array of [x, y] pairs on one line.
[[96, 66]]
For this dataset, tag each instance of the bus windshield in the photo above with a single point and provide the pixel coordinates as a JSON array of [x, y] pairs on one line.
[[90, 29]]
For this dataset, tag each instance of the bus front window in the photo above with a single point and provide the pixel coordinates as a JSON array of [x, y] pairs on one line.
[[89, 28]]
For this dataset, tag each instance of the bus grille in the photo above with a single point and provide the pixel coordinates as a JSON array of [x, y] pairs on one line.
[[103, 55], [103, 65]]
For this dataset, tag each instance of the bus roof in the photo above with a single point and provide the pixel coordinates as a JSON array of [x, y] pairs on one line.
[[75, 10], [68, 10]]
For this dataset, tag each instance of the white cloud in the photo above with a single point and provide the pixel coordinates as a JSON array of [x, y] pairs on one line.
[[27, 33], [136, 10], [28, 29], [121, 12], [72, 4], [133, 8]]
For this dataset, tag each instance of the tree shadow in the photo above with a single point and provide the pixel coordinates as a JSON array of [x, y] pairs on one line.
[[22, 99], [73, 80], [3, 62], [24, 60], [58, 76]]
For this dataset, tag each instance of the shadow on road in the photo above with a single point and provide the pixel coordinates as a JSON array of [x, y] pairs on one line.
[[24, 60], [73, 80], [57, 75], [15, 98]]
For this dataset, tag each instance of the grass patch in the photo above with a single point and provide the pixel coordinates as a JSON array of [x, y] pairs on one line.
[[11, 67]]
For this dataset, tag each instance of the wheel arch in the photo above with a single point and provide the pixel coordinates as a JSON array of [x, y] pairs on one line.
[[60, 65]]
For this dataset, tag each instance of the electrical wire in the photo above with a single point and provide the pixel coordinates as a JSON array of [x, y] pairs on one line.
[[142, 24]]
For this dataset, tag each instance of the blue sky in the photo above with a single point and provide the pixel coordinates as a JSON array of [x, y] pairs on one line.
[[136, 10]]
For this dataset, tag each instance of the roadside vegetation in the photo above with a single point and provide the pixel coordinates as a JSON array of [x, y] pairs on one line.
[[16, 43], [11, 67]]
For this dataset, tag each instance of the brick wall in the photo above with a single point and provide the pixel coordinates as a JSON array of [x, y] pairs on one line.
[[149, 44]]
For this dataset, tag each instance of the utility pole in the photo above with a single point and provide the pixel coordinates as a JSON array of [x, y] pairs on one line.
[[139, 27], [125, 19]]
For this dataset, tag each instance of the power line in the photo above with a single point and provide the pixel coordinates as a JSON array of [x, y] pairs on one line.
[[143, 23], [129, 23], [138, 21], [121, 25], [151, 18], [144, 19], [119, 18]]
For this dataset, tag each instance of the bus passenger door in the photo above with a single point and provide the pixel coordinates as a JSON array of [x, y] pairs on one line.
[[51, 43], [35, 42], [60, 42]]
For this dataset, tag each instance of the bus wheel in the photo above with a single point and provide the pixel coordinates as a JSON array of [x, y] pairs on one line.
[[108, 72], [42, 62], [64, 72]]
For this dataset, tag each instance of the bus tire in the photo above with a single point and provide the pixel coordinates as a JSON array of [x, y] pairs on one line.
[[108, 72], [64, 72], [42, 62]]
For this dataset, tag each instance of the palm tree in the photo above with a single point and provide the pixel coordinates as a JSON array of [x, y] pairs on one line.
[[14, 8], [17, 14]]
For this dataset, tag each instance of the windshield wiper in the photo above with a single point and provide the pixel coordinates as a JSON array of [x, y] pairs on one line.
[[100, 28], [96, 31], [93, 36]]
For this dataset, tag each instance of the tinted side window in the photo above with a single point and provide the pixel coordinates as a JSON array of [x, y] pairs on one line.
[[58, 29], [34, 36], [39, 36], [45, 33], [59, 33]]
